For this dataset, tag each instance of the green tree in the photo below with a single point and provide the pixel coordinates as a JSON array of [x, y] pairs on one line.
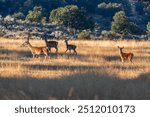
[[73, 17], [84, 35], [148, 28], [120, 23], [35, 15]]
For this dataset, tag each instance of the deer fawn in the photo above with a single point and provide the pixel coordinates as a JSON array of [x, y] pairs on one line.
[[51, 44], [124, 56], [36, 50], [70, 47]]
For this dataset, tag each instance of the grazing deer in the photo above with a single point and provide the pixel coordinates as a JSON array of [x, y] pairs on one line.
[[51, 44], [70, 47], [124, 56], [36, 50]]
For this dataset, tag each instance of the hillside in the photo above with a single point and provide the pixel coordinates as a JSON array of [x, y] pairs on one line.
[[102, 11]]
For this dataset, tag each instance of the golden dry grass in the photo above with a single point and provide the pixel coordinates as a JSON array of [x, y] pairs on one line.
[[95, 73]]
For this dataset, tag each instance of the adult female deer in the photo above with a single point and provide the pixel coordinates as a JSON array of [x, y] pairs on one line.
[[51, 44], [124, 56], [70, 47], [36, 50]]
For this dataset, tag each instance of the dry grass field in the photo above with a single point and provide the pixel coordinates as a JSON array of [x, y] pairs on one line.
[[96, 72]]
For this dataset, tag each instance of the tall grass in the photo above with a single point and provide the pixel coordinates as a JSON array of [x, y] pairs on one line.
[[95, 73]]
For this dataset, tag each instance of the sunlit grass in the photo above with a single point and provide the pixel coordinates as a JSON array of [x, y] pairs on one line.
[[99, 58]]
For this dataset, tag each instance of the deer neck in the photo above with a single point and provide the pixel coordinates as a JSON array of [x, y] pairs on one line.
[[120, 51], [45, 40], [66, 43], [30, 46]]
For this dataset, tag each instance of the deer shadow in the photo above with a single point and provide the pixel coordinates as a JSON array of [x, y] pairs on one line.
[[60, 67], [112, 58]]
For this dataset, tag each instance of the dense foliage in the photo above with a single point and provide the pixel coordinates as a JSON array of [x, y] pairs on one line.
[[148, 28], [84, 35], [73, 17], [35, 15], [102, 11], [120, 23], [12, 6]]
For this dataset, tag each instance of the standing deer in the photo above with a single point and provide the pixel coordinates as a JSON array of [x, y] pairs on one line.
[[51, 44], [36, 50], [70, 47], [124, 56]]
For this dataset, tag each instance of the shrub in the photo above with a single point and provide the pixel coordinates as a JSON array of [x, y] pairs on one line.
[[8, 18], [43, 21], [84, 35], [18, 15], [108, 10], [148, 28], [109, 35], [35, 15], [2, 32]]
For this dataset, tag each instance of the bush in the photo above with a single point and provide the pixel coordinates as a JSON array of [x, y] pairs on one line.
[[109, 5], [43, 21], [35, 15], [84, 35], [8, 18], [108, 10], [148, 28], [2, 32], [18, 15], [109, 35]]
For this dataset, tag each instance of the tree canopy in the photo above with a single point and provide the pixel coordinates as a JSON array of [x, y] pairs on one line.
[[73, 17], [120, 23], [35, 15]]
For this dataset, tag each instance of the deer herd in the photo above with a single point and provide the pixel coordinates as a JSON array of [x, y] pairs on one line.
[[40, 50]]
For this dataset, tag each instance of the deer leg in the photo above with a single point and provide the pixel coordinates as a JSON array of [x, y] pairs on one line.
[[66, 51], [130, 59], [75, 51], [49, 49], [38, 56], [46, 53], [56, 50], [46, 56], [122, 59], [33, 55]]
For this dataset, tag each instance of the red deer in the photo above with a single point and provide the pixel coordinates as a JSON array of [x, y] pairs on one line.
[[51, 44], [36, 50], [70, 47], [125, 56]]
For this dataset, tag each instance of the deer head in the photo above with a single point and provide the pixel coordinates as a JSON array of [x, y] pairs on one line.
[[27, 41], [120, 47]]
